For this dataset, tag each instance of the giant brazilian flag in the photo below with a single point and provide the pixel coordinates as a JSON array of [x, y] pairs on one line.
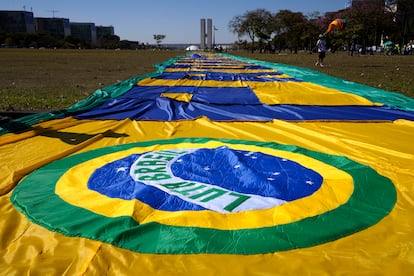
[[212, 165]]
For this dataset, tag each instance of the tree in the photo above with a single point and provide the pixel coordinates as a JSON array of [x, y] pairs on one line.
[[159, 38], [366, 23], [71, 42], [404, 19], [291, 27], [9, 41], [255, 24], [312, 30], [109, 42]]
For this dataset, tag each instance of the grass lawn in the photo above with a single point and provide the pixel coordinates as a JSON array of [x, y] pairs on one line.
[[39, 80], [391, 73]]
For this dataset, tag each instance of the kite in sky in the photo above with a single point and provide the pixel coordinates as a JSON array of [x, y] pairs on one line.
[[213, 164], [338, 24]]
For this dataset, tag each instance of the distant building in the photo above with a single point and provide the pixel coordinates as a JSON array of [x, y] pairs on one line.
[[102, 31], [206, 33], [202, 33], [209, 33], [58, 27], [17, 22], [84, 31]]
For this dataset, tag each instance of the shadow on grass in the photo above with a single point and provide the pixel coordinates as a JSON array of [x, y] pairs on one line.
[[71, 138]]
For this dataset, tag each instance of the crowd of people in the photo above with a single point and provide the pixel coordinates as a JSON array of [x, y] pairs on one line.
[[406, 49], [356, 49]]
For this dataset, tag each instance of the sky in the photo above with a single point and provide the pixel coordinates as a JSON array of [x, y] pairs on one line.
[[178, 20]]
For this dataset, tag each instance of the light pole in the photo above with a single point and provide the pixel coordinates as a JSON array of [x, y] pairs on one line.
[[214, 36]]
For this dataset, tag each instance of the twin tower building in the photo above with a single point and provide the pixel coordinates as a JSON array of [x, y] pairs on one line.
[[206, 34]]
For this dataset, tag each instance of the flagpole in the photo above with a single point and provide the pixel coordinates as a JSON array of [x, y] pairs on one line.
[[214, 36]]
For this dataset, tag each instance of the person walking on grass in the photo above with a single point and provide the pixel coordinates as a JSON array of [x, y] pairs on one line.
[[321, 47]]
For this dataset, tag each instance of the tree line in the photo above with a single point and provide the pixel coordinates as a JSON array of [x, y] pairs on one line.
[[367, 24], [48, 40]]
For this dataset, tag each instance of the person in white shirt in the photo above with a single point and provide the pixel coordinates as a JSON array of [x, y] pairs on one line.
[[321, 47]]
